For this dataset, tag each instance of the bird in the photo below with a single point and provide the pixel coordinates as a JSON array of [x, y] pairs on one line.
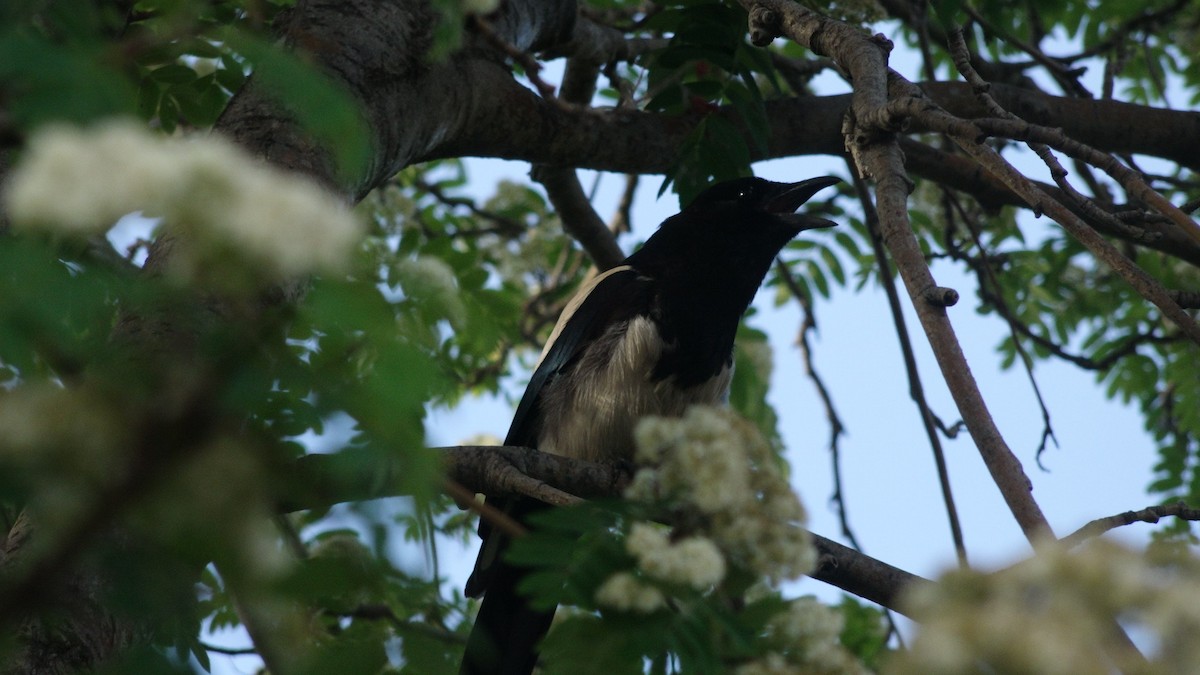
[[651, 336]]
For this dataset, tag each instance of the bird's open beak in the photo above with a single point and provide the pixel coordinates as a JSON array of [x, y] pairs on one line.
[[793, 196]]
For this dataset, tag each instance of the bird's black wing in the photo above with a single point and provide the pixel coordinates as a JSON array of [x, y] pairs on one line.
[[507, 629], [614, 296]]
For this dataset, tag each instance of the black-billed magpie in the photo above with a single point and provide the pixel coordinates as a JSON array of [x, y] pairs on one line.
[[651, 336]]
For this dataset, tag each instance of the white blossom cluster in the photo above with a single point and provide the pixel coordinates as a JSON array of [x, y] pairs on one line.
[[1056, 613], [73, 445], [79, 182], [432, 280], [625, 592], [691, 561], [694, 562], [712, 462], [805, 638]]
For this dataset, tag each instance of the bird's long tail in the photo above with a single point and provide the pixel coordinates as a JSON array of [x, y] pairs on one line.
[[507, 629]]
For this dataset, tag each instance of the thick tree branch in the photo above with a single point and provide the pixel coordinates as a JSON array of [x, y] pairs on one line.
[[860, 574], [579, 219], [1146, 285], [960, 173], [916, 390], [629, 141], [319, 481], [878, 155]]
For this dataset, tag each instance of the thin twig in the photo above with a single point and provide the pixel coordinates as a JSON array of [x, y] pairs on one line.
[[229, 651], [962, 60], [1130, 180], [499, 519], [988, 280], [1146, 285], [916, 390], [967, 136], [1067, 77], [836, 428], [1150, 514], [622, 220], [523, 58], [505, 225], [1039, 138], [1146, 22], [1128, 346]]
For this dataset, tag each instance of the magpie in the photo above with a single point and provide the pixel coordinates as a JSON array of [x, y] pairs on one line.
[[651, 336]]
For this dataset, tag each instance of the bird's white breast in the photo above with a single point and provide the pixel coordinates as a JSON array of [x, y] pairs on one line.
[[591, 414]]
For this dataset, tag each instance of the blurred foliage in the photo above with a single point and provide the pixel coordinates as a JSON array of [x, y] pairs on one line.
[[450, 296]]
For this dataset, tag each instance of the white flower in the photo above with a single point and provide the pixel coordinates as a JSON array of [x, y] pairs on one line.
[[623, 591], [644, 487], [282, 219], [1055, 613], [430, 279], [80, 181], [804, 638], [692, 561], [712, 462], [645, 539]]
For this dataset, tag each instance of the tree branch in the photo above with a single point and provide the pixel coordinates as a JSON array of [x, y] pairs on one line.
[[877, 154], [1146, 285], [579, 219], [1150, 514], [916, 390], [319, 481], [960, 173]]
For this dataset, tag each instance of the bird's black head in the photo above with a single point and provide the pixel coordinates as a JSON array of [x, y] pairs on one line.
[[737, 226], [708, 261], [763, 204]]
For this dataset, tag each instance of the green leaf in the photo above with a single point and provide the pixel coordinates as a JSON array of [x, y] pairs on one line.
[[35, 74], [834, 265], [174, 73], [865, 631], [585, 645], [748, 389], [948, 13], [749, 105]]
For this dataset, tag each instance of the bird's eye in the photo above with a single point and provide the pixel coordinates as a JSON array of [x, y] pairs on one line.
[[744, 194]]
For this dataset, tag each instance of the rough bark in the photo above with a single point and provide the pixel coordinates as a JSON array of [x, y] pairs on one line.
[[643, 142], [318, 481]]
